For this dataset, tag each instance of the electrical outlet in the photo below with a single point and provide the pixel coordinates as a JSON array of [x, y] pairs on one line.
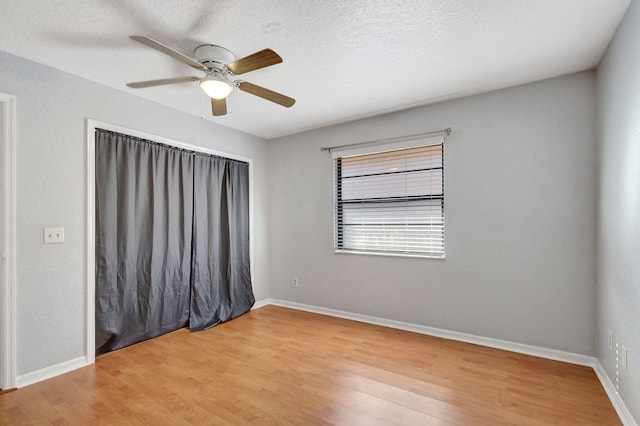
[[610, 340], [623, 356], [53, 235], [295, 282]]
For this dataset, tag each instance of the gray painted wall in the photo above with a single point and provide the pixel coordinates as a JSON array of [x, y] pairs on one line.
[[618, 287], [51, 191], [520, 219]]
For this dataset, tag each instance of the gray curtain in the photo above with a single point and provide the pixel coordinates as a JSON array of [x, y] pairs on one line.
[[146, 225], [221, 274]]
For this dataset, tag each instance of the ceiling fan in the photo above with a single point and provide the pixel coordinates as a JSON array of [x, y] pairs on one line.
[[220, 66]]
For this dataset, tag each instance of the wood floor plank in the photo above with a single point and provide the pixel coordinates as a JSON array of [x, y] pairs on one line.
[[281, 366]]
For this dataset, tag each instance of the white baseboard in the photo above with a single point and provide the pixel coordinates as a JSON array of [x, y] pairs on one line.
[[556, 355], [260, 303], [51, 371], [446, 334], [614, 396]]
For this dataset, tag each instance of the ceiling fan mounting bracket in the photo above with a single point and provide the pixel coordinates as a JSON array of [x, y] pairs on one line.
[[214, 57]]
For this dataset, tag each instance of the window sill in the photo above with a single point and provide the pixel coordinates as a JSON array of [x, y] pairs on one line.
[[371, 253]]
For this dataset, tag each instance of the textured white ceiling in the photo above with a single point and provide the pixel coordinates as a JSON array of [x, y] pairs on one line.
[[343, 59]]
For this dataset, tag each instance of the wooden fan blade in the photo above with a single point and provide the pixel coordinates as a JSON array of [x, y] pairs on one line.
[[218, 106], [261, 59], [151, 83], [267, 94], [154, 44]]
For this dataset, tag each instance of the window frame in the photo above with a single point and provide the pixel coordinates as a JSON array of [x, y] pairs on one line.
[[338, 203]]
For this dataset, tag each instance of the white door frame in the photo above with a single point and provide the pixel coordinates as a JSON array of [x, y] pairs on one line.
[[8, 242]]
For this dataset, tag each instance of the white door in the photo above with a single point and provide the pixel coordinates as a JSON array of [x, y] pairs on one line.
[[7, 232], [3, 260]]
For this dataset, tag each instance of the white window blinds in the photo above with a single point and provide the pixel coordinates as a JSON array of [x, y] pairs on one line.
[[391, 202]]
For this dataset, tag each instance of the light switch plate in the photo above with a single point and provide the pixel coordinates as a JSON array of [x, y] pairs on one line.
[[53, 235], [623, 355]]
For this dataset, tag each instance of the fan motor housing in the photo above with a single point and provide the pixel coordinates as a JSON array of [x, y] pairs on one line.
[[214, 57]]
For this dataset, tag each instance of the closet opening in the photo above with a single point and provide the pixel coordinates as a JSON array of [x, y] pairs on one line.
[[172, 237]]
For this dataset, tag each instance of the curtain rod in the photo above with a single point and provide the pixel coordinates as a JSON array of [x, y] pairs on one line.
[[446, 132]]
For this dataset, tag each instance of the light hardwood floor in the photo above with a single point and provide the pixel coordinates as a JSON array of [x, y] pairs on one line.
[[280, 366]]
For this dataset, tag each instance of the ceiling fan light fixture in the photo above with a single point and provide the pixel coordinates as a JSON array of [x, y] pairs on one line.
[[216, 87]]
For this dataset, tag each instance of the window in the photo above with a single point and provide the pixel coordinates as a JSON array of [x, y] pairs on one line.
[[391, 202]]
